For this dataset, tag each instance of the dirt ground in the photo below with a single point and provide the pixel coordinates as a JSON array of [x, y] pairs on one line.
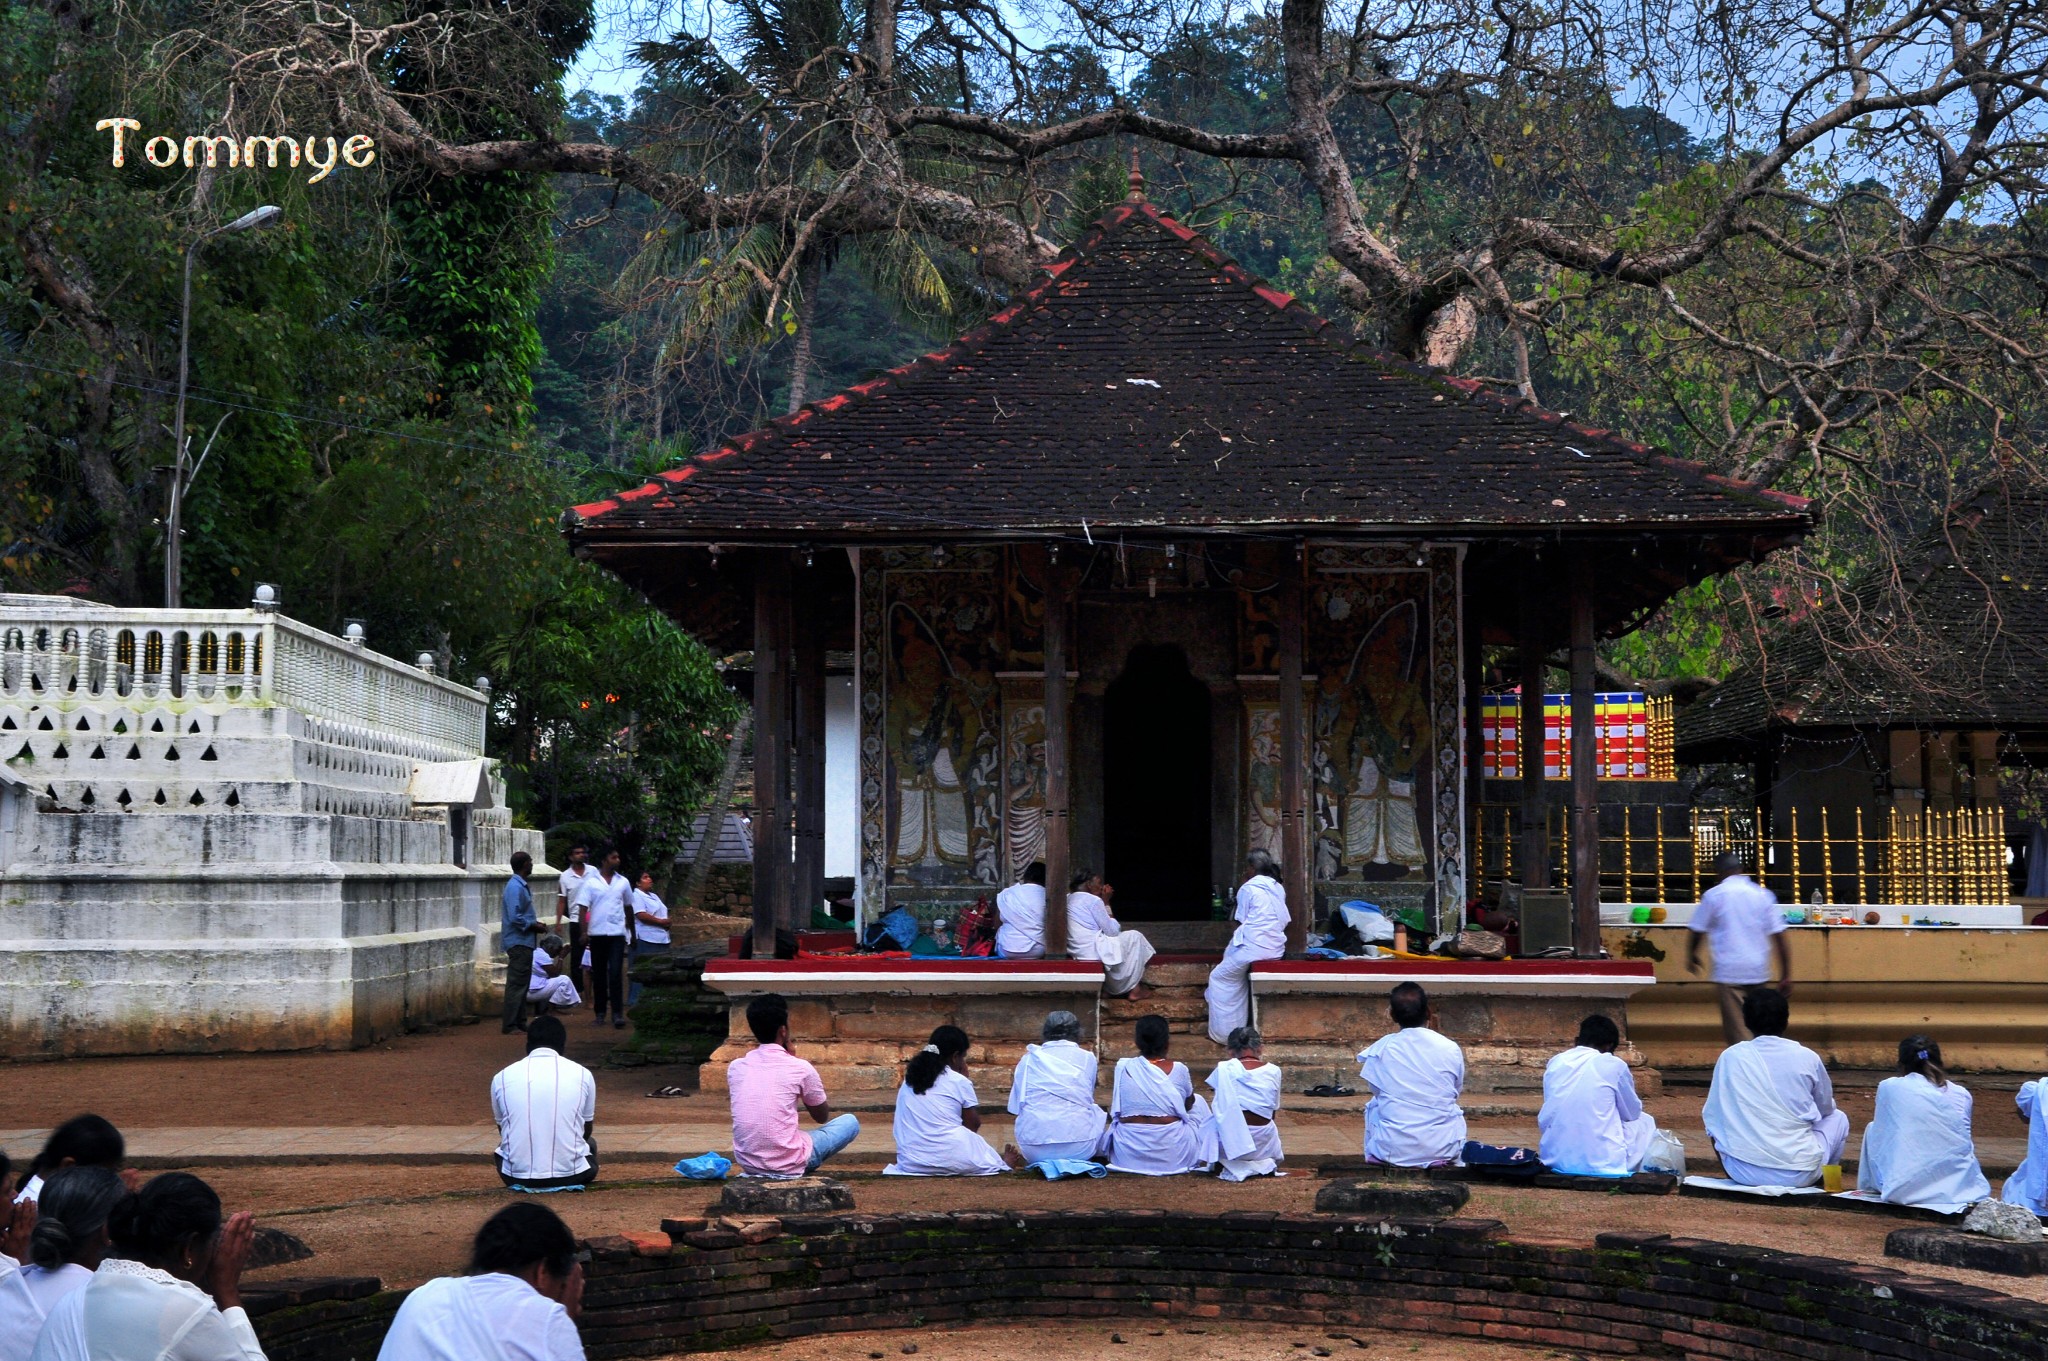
[[1073, 1341]]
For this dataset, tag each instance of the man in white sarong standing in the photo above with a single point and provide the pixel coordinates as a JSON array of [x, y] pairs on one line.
[[1917, 1149], [1743, 922], [1247, 1103], [1413, 1119], [1052, 1094], [1262, 920], [1092, 933], [1161, 1128], [1592, 1121], [1770, 1108], [1020, 914], [2028, 1185]]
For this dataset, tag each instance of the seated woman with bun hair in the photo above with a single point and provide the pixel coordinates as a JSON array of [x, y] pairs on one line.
[[69, 1239], [169, 1287]]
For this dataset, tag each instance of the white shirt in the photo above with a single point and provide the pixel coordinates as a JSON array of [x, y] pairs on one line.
[[130, 1312], [32, 1189], [604, 904], [930, 1138], [542, 1104], [1766, 1104], [1087, 918], [1413, 1119], [1022, 909], [542, 962], [1052, 1094], [481, 1318], [646, 934], [572, 891], [1739, 916], [1917, 1149], [1587, 1097], [1262, 918], [26, 1298]]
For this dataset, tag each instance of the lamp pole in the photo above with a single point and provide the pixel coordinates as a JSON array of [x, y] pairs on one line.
[[174, 542]]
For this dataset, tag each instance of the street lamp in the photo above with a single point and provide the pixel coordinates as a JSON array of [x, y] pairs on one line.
[[173, 522]]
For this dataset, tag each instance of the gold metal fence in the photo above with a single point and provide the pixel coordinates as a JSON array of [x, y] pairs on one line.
[[1655, 853]]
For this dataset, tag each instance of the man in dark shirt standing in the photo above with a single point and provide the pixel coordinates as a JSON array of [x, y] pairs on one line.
[[519, 925]]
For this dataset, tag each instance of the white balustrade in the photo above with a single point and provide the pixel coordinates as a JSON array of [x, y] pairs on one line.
[[51, 652]]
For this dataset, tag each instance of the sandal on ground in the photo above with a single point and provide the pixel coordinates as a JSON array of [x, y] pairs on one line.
[[1329, 1089]]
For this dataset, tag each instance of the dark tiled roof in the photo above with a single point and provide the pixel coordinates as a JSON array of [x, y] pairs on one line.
[[1149, 382], [1961, 641]]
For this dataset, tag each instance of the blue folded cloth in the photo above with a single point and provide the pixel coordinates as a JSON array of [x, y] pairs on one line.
[[705, 1167], [541, 1190], [1324, 952], [1056, 1168]]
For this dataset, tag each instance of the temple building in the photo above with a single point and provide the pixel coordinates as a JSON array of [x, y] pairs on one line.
[[1186, 490], [1154, 567]]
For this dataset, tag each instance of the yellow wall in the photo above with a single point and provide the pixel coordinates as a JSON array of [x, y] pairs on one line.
[[1981, 993]]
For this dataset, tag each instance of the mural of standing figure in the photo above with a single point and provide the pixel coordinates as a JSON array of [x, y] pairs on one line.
[[1387, 734]]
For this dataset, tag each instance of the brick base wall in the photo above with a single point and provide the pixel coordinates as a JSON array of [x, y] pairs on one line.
[[1629, 1294]]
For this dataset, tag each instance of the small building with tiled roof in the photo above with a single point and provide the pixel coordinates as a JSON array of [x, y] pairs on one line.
[[1910, 690], [1156, 567]]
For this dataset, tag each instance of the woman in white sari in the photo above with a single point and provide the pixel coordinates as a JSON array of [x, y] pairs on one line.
[[1161, 1128], [1247, 1102], [1918, 1149], [1092, 933], [68, 1242], [1053, 1096], [170, 1288], [937, 1116]]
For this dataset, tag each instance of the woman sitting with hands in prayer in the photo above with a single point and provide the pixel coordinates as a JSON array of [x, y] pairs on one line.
[[1918, 1148], [1160, 1128], [938, 1114], [67, 1243], [169, 1288]]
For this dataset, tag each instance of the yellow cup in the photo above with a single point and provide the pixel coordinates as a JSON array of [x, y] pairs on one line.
[[1831, 1178]]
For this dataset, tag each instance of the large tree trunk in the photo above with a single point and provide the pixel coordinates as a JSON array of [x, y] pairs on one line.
[[810, 277]]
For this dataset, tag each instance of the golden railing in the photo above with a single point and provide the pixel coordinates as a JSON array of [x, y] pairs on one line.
[[1665, 854]]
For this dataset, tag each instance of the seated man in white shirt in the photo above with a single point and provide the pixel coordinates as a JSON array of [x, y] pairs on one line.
[[546, 1109], [518, 1301], [1413, 1119], [1592, 1121], [1770, 1108], [1020, 913]]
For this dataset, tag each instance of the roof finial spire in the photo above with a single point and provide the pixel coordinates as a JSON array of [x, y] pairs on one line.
[[1137, 194]]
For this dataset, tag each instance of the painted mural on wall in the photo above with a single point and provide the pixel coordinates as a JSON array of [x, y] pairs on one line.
[[1380, 639], [1366, 639], [934, 624], [1023, 778]]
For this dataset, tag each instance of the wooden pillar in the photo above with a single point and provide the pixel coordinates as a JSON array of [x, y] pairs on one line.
[[1585, 770], [808, 682], [1059, 859], [1984, 791], [1293, 765], [772, 628], [1532, 854]]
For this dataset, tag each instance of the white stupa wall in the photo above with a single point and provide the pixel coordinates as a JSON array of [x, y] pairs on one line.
[[215, 834]]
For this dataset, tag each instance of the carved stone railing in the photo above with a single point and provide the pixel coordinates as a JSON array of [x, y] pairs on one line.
[[54, 651]]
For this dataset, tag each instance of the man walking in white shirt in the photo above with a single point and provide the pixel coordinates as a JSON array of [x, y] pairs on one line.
[[607, 909], [569, 908], [1743, 922], [546, 1109]]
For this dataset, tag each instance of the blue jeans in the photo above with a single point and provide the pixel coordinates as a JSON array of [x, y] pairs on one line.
[[641, 950], [829, 1138]]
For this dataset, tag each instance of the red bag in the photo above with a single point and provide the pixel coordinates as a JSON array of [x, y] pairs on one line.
[[975, 931]]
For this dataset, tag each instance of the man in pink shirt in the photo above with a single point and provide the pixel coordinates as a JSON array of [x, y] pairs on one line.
[[767, 1086]]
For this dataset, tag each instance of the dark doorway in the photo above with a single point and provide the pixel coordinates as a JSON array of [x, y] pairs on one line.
[[1155, 788]]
